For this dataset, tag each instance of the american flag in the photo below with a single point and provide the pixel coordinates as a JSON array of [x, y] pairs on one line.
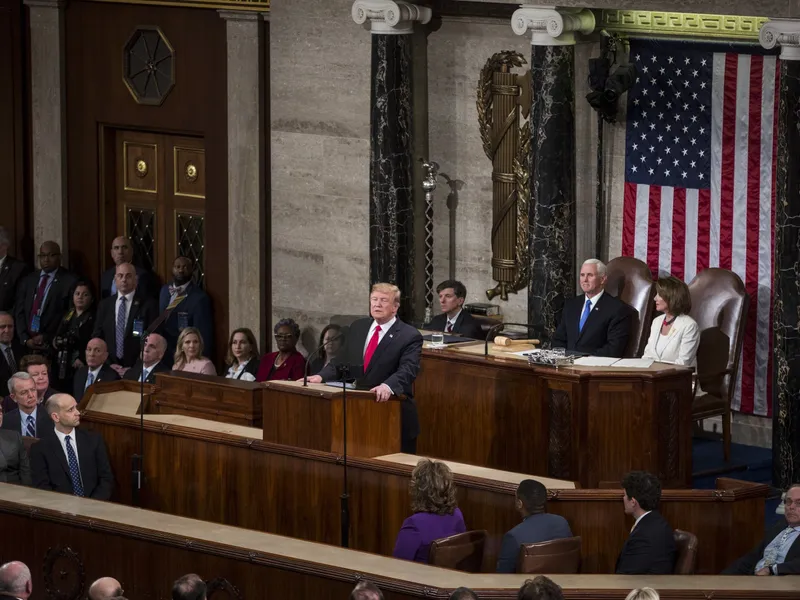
[[700, 179]]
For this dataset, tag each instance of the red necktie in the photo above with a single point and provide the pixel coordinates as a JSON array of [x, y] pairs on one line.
[[37, 301], [373, 343], [449, 327]]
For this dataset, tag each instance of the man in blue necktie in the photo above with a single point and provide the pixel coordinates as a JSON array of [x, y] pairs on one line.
[[594, 323], [779, 552]]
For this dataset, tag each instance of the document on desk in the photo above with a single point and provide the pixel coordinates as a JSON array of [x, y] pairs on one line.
[[633, 363]]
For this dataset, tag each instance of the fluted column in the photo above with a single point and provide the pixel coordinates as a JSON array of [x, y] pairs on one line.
[[786, 372], [391, 214], [552, 219]]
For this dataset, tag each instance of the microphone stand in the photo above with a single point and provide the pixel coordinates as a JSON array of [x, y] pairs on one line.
[[314, 353], [344, 371]]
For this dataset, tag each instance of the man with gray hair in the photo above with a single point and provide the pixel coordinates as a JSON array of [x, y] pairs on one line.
[[11, 273], [594, 323], [30, 418], [15, 581]]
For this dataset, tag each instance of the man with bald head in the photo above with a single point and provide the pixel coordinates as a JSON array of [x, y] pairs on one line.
[[122, 252], [15, 581], [152, 360], [74, 461], [123, 318], [96, 369], [42, 299], [105, 588]]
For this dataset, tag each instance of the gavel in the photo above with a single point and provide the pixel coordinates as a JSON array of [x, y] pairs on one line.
[[502, 340]]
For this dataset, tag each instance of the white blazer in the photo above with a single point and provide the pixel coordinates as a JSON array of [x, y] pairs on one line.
[[679, 346]]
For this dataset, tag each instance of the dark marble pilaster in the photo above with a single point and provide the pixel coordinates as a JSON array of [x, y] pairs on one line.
[[391, 211], [552, 217], [786, 388]]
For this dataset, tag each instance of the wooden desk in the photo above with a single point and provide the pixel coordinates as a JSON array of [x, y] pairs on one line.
[[249, 483], [311, 417], [591, 425], [68, 542]]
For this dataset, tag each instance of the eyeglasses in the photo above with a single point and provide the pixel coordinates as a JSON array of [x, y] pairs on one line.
[[790, 502], [49, 254], [283, 336]]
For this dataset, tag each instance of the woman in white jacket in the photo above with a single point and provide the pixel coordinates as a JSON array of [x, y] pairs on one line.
[[674, 335]]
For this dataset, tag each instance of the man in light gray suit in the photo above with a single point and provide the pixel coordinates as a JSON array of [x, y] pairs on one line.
[[14, 465]]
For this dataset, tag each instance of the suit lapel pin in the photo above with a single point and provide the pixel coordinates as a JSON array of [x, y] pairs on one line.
[[391, 335]]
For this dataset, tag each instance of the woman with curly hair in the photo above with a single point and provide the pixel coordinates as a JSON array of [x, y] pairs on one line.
[[436, 515], [287, 362]]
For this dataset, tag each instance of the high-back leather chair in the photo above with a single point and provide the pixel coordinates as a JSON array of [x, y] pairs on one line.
[[629, 280], [719, 305], [555, 556], [28, 442], [686, 545], [462, 552]]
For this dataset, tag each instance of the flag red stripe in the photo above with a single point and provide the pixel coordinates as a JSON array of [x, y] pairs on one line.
[[678, 233], [728, 161], [629, 220], [703, 228], [654, 229]]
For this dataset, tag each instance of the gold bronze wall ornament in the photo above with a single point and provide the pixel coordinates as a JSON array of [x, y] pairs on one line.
[[504, 98], [191, 172], [141, 168]]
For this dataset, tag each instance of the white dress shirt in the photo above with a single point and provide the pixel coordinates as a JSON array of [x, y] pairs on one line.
[[636, 522], [452, 320], [128, 302], [62, 438], [235, 372], [384, 328], [146, 371]]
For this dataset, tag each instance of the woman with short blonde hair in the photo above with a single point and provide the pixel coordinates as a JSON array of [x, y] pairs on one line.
[[643, 594], [189, 353]]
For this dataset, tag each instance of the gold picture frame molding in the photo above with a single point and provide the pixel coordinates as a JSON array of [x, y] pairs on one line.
[[700, 25]]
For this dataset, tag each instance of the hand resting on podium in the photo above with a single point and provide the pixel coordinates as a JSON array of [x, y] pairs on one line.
[[382, 392]]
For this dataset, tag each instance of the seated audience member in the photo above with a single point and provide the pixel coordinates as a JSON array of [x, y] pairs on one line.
[[189, 587], [779, 552], [38, 367], [674, 336], [96, 369], [11, 351], [366, 590], [15, 581], [287, 362], [193, 311], [643, 594], [650, 547], [436, 516], [28, 417], [463, 593], [122, 252], [12, 271], [331, 340], [594, 323], [14, 464], [454, 319], [90, 476], [105, 588], [242, 358], [536, 526], [540, 588], [155, 346], [189, 354], [73, 334]]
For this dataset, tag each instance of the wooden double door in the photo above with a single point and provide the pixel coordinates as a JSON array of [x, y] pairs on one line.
[[160, 196]]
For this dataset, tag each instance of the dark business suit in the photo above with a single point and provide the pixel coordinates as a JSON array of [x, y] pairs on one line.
[[55, 304], [649, 549], [51, 470], [14, 464], [11, 274], [534, 529], [5, 370], [746, 565], [395, 362], [197, 307], [79, 383], [605, 332], [147, 282], [466, 325], [135, 372], [142, 309], [44, 424]]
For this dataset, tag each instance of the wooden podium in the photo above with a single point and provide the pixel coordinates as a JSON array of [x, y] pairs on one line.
[[311, 417]]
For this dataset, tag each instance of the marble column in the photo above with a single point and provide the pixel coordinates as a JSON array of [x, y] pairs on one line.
[[48, 122], [248, 217], [391, 207], [553, 216], [786, 341]]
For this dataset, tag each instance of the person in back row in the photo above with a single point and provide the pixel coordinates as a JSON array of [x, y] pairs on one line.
[[537, 525], [151, 362], [594, 323], [194, 310], [454, 319], [242, 357]]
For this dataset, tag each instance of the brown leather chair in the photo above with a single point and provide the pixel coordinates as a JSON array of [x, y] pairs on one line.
[[28, 442], [462, 552], [686, 545], [719, 305], [556, 556], [629, 279]]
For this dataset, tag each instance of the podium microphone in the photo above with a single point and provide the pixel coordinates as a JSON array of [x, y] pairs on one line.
[[315, 352], [497, 329]]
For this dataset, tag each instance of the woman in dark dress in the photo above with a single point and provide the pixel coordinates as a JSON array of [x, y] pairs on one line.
[[73, 335], [287, 362]]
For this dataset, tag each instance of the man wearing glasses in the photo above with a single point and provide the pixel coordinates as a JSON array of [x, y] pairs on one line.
[[42, 299]]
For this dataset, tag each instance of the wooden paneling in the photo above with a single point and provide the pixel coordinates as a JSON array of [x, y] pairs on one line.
[[591, 426], [295, 492]]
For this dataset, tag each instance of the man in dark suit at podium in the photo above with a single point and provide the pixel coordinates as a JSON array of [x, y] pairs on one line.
[[390, 352], [454, 319], [594, 323]]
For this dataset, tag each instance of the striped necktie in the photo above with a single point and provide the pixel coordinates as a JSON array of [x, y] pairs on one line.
[[120, 333], [30, 427]]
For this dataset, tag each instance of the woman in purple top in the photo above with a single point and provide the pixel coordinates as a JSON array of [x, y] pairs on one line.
[[436, 516]]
